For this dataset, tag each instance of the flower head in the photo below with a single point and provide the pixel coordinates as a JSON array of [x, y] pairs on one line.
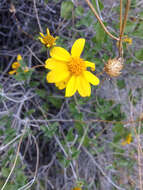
[[113, 67], [48, 40], [127, 140], [17, 65], [70, 70], [128, 40]]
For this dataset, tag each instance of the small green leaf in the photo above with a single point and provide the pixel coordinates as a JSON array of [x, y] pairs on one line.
[[79, 11], [70, 135], [139, 54], [75, 154]]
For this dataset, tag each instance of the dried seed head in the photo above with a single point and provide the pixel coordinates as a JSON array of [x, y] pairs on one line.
[[113, 67]]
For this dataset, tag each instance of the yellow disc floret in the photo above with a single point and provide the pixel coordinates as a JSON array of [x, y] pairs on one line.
[[76, 66]]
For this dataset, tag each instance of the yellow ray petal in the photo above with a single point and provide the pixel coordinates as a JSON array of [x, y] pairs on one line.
[[60, 85], [90, 64], [55, 76], [91, 78], [77, 47], [42, 41], [54, 64], [19, 58], [60, 54], [12, 72], [42, 34], [71, 86], [83, 87], [48, 32]]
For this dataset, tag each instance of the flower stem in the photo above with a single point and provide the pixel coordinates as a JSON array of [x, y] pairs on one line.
[[37, 66], [120, 36], [100, 21], [123, 24]]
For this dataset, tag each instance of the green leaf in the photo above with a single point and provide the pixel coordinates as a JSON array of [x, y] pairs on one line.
[[5, 171], [66, 9], [75, 154], [101, 6], [70, 135], [100, 35], [41, 93], [139, 54], [79, 11]]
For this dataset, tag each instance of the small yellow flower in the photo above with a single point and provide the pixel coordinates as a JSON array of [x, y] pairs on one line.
[[127, 140], [70, 71], [77, 188], [48, 40], [16, 65], [128, 40]]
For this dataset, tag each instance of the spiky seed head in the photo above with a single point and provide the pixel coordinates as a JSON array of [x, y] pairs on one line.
[[113, 67]]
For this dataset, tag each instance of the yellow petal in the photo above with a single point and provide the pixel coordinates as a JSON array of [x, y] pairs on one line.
[[42, 34], [48, 32], [71, 86], [12, 72], [83, 87], [60, 54], [15, 65], [54, 64], [90, 64], [42, 41], [127, 140], [19, 58], [91, 78], [77, 47], [26, 69], [55, 76], [61, 85]]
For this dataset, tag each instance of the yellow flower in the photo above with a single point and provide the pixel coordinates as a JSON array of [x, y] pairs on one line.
[[127, 140], [77, 188], [48, 40], [70, 71], [16, 65], [128, 40]]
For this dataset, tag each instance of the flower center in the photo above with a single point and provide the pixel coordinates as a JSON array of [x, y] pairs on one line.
[[49, 40], [76, 66]]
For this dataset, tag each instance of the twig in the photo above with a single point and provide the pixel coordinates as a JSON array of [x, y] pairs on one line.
[[66, 155], [139, 157], [101, 170], [36, 11], [34, 55], [14, 164], [83, 137], [13, 140], [30, 183], [120, 37], [100, 21]]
